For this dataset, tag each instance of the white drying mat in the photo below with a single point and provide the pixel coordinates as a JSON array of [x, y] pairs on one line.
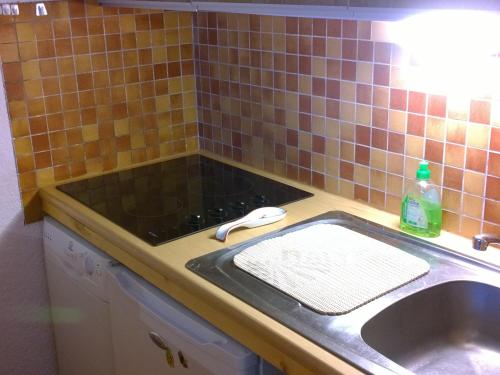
[[331, 269]]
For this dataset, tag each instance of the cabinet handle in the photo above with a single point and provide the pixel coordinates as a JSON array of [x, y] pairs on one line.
[[158, 340], [182, 359]]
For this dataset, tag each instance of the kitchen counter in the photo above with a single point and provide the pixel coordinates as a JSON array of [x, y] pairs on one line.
[[164, 266]]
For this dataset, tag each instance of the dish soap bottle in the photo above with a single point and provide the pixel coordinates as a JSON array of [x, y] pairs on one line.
[[421, 207]]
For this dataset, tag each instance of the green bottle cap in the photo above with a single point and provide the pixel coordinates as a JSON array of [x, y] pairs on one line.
[[423, 172]]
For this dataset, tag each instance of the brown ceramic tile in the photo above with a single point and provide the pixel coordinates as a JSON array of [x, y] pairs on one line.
[[349, 49], [349, 29], [493, 188], [436, 105], [79, 27], [9, 52], [490, 228], [454, 155], [480, 111], [396, 142], [319, 27], [14, 91], [346, 170], [63, 47], [380, 118], [38, 125], [379, 139], [43, 160], [12, 72], [62, 28], [305, 26], [456, 131], [76, 9], [381, 74], [381, 96], [492, 211], [333, 28], [495, 140], [361, 192], [453, 178], [415, 125], [434, 151], [292, 25], [348, 70], [416, 102], [398, 99], [7, 33], [363, 135], [362, 155], [494, 164]]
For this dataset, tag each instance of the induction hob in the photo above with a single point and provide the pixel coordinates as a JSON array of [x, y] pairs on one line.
[[171, 199]]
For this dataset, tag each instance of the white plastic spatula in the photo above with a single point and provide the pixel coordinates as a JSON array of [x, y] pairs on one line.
[[256, 218]]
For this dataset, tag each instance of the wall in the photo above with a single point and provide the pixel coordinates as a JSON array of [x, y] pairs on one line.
[[91, 89], [26, 346], [330, 103]]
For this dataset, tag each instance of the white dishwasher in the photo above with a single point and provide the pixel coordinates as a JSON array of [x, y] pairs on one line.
[[154, 335], [107, 320], [77, 281]]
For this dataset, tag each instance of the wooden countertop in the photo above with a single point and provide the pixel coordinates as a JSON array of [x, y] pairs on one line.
[[164, 266]]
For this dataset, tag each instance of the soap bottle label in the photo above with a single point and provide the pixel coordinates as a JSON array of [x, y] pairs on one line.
[[415, 214]]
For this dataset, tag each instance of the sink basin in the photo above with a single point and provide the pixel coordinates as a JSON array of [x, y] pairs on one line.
[[448, 328], [446, 322]]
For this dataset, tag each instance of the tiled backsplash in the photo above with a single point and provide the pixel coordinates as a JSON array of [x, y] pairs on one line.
[[327, 102], [91, 89]]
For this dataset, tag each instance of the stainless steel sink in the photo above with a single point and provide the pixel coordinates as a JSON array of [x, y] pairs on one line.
[[446, 322], [451, 327]]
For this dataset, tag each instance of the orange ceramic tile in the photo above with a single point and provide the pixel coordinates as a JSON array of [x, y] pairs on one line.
[[9, 52], [474, 183], [494, 164], [456, 131], [478, 136], [473, 206], [454, 155], [495, 140], [434, 151], [451, 200], [416, 102], [436, 128], [480, 111], [451, 222], [381, 74], [469, 227], [27, 51], [436, 105], [453, 178], [398, 99], [492, 211]]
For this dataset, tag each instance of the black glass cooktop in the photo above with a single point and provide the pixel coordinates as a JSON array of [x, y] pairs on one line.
[[164, 201]]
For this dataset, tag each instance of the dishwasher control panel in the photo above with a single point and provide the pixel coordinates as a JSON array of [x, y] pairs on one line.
[[80, 258]]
